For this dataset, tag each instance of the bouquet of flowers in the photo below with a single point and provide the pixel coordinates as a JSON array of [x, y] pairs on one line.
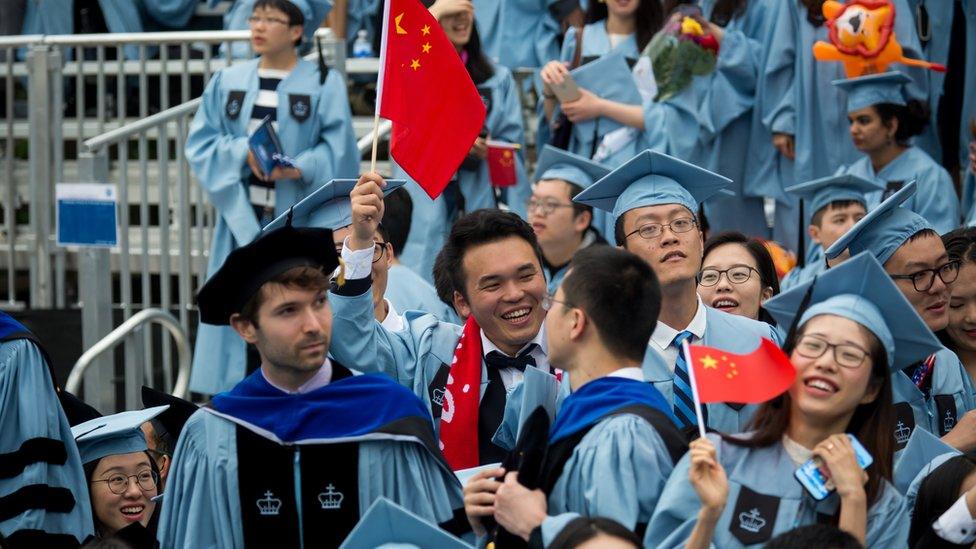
[[679, 52]]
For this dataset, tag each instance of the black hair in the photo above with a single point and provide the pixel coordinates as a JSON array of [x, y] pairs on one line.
[[726, 10], [397, 215], [936, 494], [163, 440], [89, 469], [620, 293], [960, 245], [814, 12], [912, 118], [582, 529], [648, 19], [924, 233], [475, 229], [818, 215], [478, 65], [759, 253], [295, 15], [822, 536]]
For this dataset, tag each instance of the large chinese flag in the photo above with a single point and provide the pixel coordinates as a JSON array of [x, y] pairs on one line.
[[425, 90], [746, 379]]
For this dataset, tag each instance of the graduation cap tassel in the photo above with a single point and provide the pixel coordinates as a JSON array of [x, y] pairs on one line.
[[694, 388], [801, 244], [323, 68]]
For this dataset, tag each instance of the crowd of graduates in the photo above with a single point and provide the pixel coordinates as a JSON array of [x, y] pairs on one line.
[[508, 366]]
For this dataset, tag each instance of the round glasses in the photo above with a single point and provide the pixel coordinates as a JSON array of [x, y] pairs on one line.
[[255, 20], [119, 483], [923, 280], [847, 355], [379, 247], [654, 230], [736, 275], [545, 207]]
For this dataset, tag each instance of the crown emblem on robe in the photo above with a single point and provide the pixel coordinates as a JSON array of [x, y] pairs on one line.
[[330, 499], [437, 397], [902, 433], [269, 505], [752, 521], [948, 422]]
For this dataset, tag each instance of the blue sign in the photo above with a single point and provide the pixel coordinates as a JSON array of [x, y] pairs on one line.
[[86, 215]]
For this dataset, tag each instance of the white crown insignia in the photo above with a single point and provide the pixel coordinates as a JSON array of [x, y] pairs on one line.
[[902, 433], [437, 397], [269, 505], [948, 422], [752, 521], [330, 499]]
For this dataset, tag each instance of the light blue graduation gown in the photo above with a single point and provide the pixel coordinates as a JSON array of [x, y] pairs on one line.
[[57, 17], [618, 471], [361, 15], [936, 50], [935, 199], [969, 205], [414, 355], [767, 471], [171, 13], [429, 226], [323, 146], [950, 379], [30, 409], [732, 333], [814, 266], [518, 33], [799, 98], [201, 507], [407, 291]]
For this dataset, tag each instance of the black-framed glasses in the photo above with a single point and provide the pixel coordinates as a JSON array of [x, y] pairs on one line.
[[737, 274], [119, 483], [847, 355], [654, 230], [254, 20], [379, 248], [923, 280], [545, 207], [548, 300]]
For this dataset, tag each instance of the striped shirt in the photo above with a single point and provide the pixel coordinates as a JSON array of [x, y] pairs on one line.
[[261, 193]]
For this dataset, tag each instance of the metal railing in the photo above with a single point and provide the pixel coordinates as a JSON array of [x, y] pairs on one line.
[[119, 336]]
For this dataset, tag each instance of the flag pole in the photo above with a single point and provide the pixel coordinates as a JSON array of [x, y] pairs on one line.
[[694, 387], [379, 84]]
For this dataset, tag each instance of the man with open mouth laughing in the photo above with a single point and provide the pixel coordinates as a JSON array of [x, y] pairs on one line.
[[653, 199], [935, 394]]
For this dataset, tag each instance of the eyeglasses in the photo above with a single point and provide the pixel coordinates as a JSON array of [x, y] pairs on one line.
[[379, 247], [847, 355], [736, 275], [254, 20], [548, 300], [923, 280], [546, 207], [119, 483], [654, 230]]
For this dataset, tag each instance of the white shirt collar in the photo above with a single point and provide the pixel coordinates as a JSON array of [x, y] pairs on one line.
[[393, 321], [630, 372], [663, 334], [319, 380], [540, 339]]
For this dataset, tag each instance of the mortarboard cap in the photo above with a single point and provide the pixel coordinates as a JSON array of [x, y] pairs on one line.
[[314, 12], [328, 206], [115, 434], [386, 524], [821, 192], [922, 448], [76, 410], [247, 268], [649, 179], [609, 77], [556, 163], [175, 416], [883, 230], [874, 89], [860, 290]]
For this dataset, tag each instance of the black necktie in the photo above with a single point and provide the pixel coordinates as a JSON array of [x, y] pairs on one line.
[[497, 359], [492, 407]]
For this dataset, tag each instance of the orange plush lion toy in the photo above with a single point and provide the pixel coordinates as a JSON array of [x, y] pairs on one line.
[[862, 36]]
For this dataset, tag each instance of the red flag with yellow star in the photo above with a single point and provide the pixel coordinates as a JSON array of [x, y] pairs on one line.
[[745, 379], [425, 90], [501, 163]]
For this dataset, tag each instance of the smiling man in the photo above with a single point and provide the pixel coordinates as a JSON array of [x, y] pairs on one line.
[[653, 199], [936, 394], [467, 375]]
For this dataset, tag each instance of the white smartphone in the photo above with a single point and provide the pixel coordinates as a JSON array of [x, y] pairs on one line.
[[568, 91]]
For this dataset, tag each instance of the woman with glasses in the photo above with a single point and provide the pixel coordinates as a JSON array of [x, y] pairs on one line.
[[960, 335], [307, 106], [737, 276], [123, 479], [851, 330]]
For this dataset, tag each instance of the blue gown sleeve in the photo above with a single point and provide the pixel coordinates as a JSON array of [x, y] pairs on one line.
[[888, 520], [677, 510], [777, 93], [171, 13], [938, 204], [732, 90], [511, 130], [968, 191], [617, 471], [671, 127], [538, 388], [201, 507], [336, 154], [217, 159]]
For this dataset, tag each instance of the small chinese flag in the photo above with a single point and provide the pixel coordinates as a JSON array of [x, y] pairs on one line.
[[425, 90], [746, 379], [501, 163]]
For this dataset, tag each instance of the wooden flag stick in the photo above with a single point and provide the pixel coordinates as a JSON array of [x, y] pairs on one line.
[[376, 138], [694, 387]]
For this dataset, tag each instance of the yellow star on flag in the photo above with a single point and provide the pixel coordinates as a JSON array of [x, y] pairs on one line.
[[709, 363], [414, 64], [426, 47], [425, 30]]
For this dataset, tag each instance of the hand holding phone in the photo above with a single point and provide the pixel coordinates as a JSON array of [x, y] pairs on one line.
[[814, 476]]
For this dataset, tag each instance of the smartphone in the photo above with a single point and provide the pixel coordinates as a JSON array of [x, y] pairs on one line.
[[689, 10], [568, 91], [812, 478]]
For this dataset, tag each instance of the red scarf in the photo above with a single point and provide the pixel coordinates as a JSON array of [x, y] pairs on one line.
[[462, 396]]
